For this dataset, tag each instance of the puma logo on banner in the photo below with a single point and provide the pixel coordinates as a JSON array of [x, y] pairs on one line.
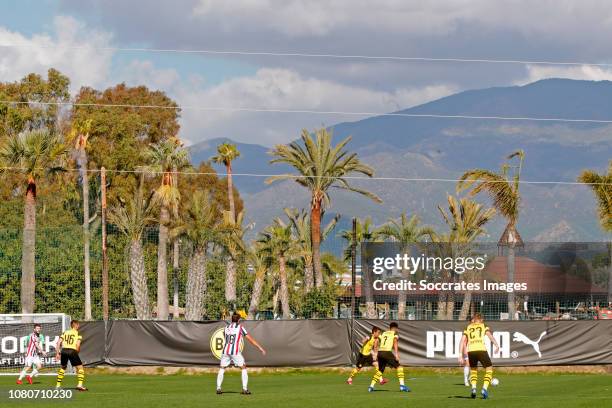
[[521, 338]]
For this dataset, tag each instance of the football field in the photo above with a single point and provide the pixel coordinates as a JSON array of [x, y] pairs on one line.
[[327, 389]]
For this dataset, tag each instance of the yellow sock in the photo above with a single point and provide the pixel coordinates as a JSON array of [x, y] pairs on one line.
[[376, 378], [487, 378], [473, 377], [80, 377], [400, 375], [354, 372], [60, 377]]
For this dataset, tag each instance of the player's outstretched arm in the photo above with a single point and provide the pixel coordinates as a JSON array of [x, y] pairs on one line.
[[462, 349], [490, 336], [255, 343]]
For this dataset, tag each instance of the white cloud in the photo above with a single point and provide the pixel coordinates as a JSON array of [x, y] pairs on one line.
[[318, 18], [40, 52], [139, 72], [551, 18], [282, 89], [269, 88], [584, 72]]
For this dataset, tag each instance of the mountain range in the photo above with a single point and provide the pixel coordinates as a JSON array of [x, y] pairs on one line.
[[443, 148]]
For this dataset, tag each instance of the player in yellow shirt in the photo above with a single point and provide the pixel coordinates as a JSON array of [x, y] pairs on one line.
[[473, 340], [68, 347], [388, 356], [367, 355]]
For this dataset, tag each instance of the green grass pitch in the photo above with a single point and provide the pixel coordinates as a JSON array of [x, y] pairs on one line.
[[302, 388]]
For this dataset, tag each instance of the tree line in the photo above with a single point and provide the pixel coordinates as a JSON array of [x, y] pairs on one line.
[[175, 224]]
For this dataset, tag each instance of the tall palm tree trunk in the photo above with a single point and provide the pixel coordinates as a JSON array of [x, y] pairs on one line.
[[230, 282], [368, 292], [162, 265], [175, 284], [401, 302], [315, 237], [450, 305], [284, 289], [82, 160], [465, 306], [196, 285], [230, 192], [609, 272], [139, 280], [442, 305], [308, 275], [256, 295], [511, 265], [401, 305], [275, 300], [28, 254]]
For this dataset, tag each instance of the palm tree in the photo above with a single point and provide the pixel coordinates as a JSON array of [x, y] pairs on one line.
[[465, 220], [226, 154], [602, 188], [132, 217], [504, 192], [300, 222], [200, 227], [404, 231], [232, 234], [278, 244], [259, 261], [320, 166], [365, 232], [80, 135], [34, 155], [165, 158]]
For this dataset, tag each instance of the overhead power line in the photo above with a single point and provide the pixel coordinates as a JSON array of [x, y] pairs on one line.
[[309, 55], [298, 176], [314, 112]]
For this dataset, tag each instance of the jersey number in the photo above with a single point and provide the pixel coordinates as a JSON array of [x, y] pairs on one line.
[[70, 339], [472, 330], [231, 338]]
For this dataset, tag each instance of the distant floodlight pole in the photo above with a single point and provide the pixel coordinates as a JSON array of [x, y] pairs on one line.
[[104, 253]]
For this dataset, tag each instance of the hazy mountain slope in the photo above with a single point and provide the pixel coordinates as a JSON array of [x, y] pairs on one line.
[[444, 148]]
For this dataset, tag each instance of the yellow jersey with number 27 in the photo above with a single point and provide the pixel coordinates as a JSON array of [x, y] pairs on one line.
[[475, 333]]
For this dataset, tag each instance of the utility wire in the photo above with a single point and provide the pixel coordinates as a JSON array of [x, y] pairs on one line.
[[315, 112], [309, 55], [298, 176]]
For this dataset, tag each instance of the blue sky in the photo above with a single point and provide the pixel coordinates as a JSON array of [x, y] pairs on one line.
[[561, 30]]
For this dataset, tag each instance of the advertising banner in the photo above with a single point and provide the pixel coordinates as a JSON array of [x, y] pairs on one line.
[[300, 343], [431, 343]]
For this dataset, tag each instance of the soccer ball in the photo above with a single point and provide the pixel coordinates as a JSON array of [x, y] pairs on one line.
[[495, 382]]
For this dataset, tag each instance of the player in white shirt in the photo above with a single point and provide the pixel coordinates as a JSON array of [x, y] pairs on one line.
[[235, 333], [34, 348]]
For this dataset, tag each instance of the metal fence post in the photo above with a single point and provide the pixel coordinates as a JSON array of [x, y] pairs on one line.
[[353, 283], [105, 311]]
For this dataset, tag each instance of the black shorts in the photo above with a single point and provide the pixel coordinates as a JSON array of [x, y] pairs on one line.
[[387, 359], [70, 355], [479, 356], [363, 361]]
